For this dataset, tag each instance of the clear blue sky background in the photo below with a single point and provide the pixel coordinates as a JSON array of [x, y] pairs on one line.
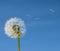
[[42, 19]]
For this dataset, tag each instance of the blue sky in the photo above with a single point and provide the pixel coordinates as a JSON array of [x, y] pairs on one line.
[[42, 19]]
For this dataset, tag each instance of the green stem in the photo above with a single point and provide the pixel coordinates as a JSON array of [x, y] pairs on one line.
[[18, 44]]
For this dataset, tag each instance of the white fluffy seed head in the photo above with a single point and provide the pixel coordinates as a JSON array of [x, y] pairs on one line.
[[10, 23]]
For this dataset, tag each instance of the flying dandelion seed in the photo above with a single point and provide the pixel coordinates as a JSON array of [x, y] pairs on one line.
[[10, 23]]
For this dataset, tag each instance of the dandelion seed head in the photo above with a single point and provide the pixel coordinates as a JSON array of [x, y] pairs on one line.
[[10, 23]]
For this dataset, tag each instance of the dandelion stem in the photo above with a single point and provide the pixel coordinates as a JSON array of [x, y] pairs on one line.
[[18, 44]]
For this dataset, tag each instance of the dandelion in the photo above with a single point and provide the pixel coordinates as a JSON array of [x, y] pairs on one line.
[[15, 28]]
